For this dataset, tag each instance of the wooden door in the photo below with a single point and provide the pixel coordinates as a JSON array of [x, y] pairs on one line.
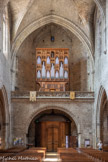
[[52, 137], [55, 139]]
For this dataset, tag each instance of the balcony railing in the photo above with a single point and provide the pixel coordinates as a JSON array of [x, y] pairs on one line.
[[53, 95]]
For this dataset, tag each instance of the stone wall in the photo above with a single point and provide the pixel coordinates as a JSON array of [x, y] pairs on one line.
[[24, 111], [5, 82], [79, 76], [23, 70], [26, 57], [101, 70]]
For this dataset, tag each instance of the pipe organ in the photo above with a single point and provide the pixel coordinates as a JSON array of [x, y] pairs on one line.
[[52, 72]]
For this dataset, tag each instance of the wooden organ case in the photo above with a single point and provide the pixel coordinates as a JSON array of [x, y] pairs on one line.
[[52, 72]]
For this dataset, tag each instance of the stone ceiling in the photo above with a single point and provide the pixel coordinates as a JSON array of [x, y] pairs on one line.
[[25, 12]]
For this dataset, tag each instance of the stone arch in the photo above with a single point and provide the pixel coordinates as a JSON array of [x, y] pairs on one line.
[[40, 23], [53, 107], [47, 20], [71, 116], [100, 7], [4, 108], [60, 21], [98, 3], [101, 102]]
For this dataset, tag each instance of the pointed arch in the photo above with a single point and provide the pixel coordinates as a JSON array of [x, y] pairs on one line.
[[4, 108], [100, 7], [101, 102], [47, 20]]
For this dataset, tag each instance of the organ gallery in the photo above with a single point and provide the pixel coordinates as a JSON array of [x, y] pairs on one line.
[[52, 69]]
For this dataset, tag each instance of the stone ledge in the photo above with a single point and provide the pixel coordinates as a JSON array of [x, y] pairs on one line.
[[54, 95]]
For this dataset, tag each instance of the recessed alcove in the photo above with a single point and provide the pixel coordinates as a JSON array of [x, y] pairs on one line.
[[53, 128]]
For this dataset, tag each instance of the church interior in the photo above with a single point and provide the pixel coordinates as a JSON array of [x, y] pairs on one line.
[[54, 80]]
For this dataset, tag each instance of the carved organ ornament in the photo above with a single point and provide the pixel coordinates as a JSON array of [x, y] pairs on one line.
[[52, 73]]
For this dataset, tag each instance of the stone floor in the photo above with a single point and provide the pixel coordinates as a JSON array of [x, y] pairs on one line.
[[51, 157]]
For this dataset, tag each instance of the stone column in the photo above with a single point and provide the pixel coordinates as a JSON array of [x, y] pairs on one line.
[[107, 25], [79, 136], [1, 43]]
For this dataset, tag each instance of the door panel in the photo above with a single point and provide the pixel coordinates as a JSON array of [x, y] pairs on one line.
[[55, 139], [50, 139], [53, 134]]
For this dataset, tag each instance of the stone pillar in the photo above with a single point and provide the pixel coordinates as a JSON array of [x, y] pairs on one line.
[[1, 44], [79, 136], [106, 27], [94, 126], [79, 140], [98, 132]]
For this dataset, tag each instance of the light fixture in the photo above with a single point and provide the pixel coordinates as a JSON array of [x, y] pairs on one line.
[[52, 38]]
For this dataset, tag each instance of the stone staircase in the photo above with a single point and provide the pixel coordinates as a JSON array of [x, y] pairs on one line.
[[51, 157]]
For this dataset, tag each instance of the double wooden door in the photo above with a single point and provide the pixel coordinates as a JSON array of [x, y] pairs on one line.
[[51, 134], [52, 138]]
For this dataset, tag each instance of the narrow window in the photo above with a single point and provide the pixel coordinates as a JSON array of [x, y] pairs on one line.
[[5, 32]]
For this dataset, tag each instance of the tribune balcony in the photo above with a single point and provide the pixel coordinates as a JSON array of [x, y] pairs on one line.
[[61, 96]]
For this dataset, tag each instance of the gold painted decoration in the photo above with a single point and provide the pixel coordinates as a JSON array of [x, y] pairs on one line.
[[72, 95], [53, 61], [32, 95]]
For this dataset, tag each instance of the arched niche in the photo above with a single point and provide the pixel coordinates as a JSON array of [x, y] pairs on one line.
[[52, 124], [4, 119], [79, 62], [64, 23], [102, 117]]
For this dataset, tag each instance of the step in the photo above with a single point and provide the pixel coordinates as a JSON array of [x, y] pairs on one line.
[[51, 160], [51, 157]]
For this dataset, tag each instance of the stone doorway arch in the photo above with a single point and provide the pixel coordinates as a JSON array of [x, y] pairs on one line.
[[75, 125]]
